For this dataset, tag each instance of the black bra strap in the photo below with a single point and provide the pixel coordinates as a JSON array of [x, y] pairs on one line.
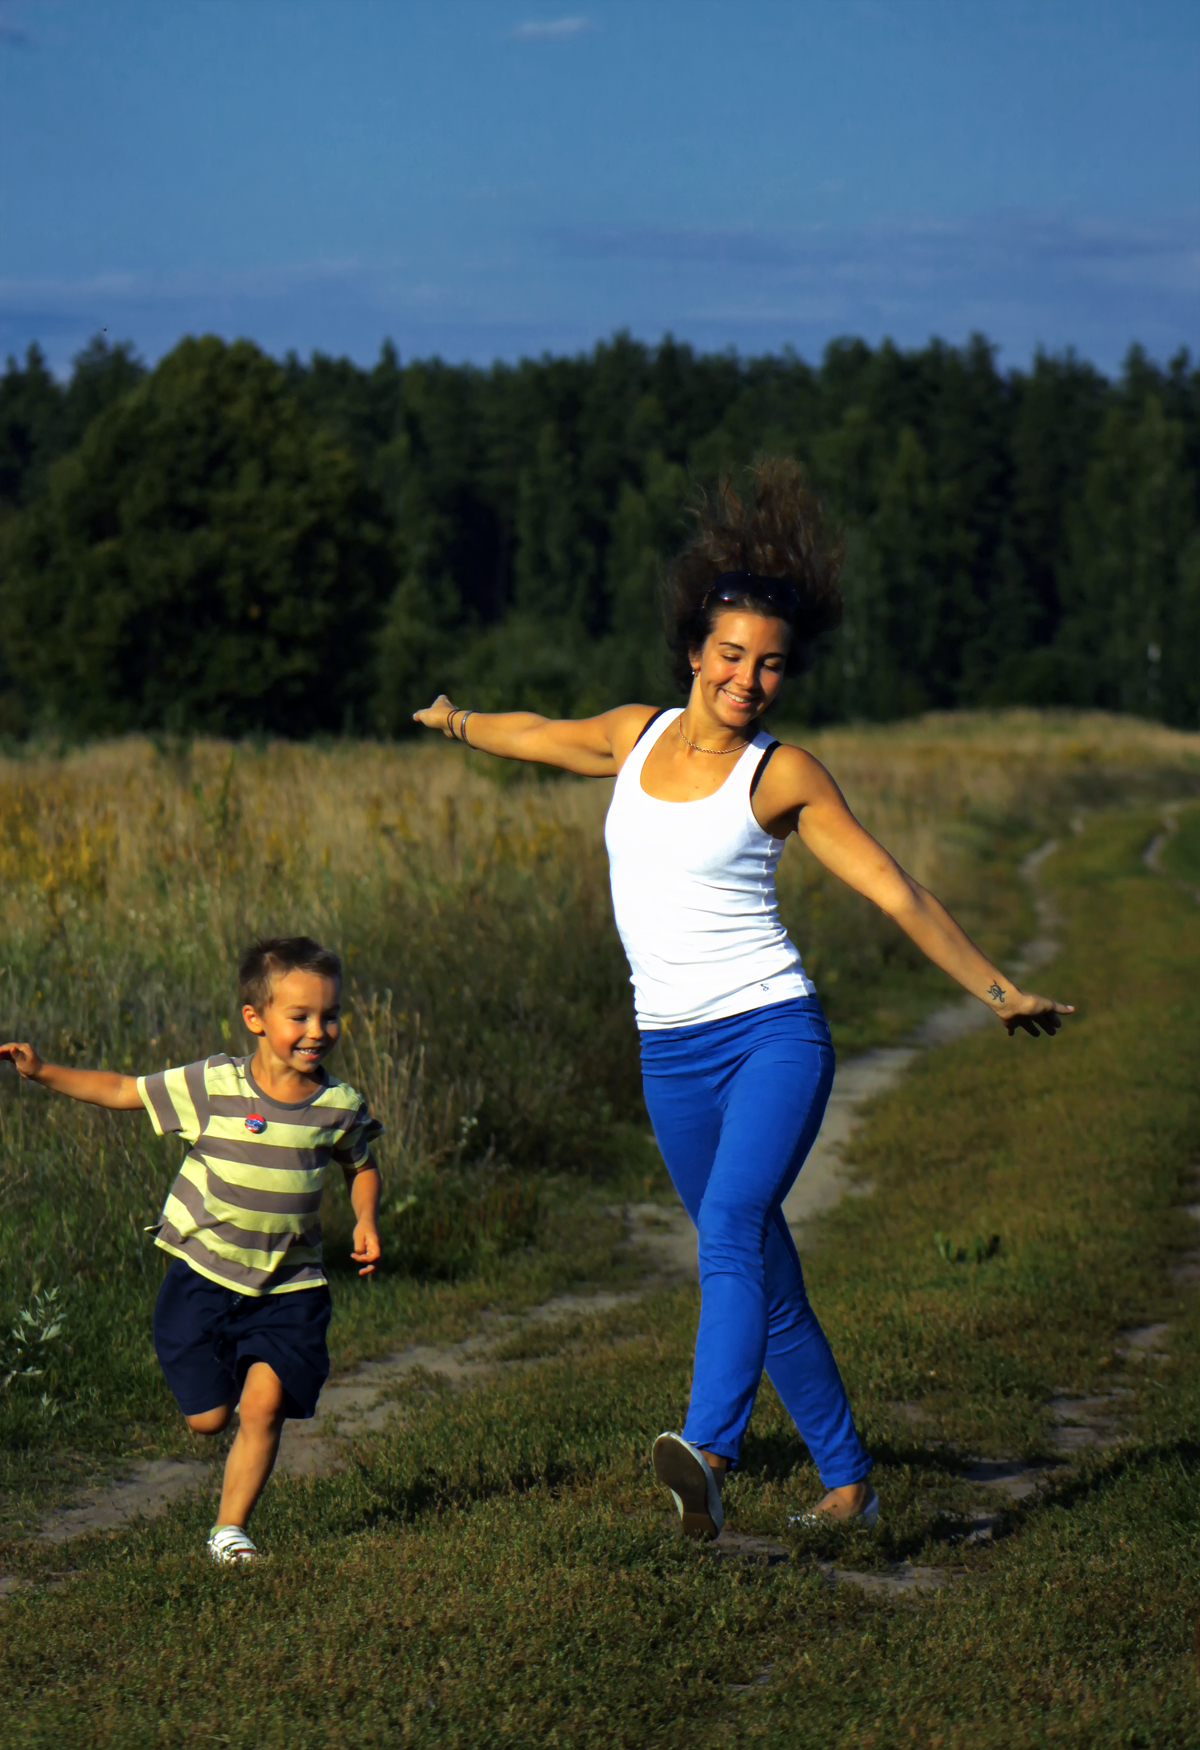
[[761, 767], [648, 722]]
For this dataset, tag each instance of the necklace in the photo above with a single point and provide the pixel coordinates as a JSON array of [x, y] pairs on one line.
[[696, 748]]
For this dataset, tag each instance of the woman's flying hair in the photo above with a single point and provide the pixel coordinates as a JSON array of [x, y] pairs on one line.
[[273, 957], [775, 530]]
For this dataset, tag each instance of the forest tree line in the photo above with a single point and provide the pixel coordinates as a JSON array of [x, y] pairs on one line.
[[231, 544]]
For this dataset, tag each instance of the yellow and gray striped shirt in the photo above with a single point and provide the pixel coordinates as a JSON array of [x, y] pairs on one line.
[[245, 1208]]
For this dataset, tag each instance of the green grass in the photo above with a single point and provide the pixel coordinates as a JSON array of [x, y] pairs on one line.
[[1181, 853], [118, 1407], [489, 1019], [496, 1568]]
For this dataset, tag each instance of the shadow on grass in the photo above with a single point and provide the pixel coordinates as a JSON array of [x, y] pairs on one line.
[[1077, 1486], [433, 1492], [778, 1455]]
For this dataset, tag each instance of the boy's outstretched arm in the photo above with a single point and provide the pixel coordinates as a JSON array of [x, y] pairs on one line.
[[98, 1087], [364, 1188]]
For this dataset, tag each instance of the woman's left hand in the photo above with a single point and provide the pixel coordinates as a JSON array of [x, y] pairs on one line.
[[437, 715], [1032, 1013]]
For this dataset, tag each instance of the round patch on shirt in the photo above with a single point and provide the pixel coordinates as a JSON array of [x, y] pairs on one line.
[[256, 1124]]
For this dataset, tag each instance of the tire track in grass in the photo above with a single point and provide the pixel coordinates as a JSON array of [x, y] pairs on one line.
[[825, 1179], [1185, 1271], [1080, 1423], [541, 1615], [361, 1401]]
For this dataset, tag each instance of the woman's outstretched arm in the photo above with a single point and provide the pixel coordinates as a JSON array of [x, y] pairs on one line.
[[798, 794], [594, 747]]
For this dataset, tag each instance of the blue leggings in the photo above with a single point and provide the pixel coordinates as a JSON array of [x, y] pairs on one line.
[[736, 1105]]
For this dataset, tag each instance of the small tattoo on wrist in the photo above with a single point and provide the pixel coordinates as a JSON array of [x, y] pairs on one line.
[[995, 992]]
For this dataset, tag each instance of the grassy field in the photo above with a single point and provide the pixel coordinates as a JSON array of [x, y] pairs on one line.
[[494, 1568]]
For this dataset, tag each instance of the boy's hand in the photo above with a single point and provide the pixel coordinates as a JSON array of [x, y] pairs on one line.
[[364, 1187], [23, 1058], [367, 1250]]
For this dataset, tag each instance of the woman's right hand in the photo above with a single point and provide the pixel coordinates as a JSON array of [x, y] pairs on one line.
[[437, 715], [23, 1058], [593, 747]]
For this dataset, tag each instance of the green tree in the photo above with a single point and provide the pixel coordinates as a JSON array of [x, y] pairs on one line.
[[40, 419], [207, 559], [503, 532], [1179, 677], [853, 677], [648, 523], [100, 375], [31, 406], [1057, 411], [1129, 584], [555, 566]]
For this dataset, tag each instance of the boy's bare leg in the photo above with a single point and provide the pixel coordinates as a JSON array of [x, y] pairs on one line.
[[252, 1455]]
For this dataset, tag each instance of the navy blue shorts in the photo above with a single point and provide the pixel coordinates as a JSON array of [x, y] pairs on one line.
[[206, 1336]]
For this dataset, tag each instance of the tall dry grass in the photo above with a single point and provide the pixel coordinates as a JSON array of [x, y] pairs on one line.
[[489, 1018], [488, 1009]]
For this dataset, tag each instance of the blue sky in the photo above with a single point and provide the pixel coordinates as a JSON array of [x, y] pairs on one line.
[[489, 180]]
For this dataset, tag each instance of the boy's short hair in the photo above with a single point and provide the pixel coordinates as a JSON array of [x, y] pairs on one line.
[[273, 957]]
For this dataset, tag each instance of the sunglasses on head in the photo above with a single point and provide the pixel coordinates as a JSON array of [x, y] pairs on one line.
[[736, 587]]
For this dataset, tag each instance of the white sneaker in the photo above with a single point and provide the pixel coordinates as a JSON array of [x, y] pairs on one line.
[[229, 1543], [693, 1485]]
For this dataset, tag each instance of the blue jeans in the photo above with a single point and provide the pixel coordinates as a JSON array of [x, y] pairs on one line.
[[736, 1105]]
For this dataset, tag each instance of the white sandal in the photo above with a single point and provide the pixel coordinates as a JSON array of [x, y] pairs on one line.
[[229, 1544], [868, 1515], [693, 1485]]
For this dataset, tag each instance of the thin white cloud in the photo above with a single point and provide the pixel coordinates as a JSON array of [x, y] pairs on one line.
[[148, 290], [544, 30], [1093, 281], [1161, 254]]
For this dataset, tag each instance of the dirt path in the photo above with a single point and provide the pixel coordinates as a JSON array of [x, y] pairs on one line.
[[359, 1401], [1152, 855], [825, 1178], [1082, 1423]]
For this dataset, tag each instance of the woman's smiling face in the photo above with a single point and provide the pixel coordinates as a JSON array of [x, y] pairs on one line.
[[741, 667]]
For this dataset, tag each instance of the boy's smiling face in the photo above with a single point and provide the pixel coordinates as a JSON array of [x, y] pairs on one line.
[[299, 1026]]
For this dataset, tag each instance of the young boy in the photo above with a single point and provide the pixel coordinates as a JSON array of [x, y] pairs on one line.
[[243, 1310]]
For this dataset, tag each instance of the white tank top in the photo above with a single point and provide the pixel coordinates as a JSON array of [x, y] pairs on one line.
[[693, 889]]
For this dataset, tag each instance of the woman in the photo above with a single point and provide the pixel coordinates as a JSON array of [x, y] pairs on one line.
[[736, 1056]]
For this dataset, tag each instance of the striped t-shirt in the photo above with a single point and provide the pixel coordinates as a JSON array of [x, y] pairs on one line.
[[245, 1208]]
